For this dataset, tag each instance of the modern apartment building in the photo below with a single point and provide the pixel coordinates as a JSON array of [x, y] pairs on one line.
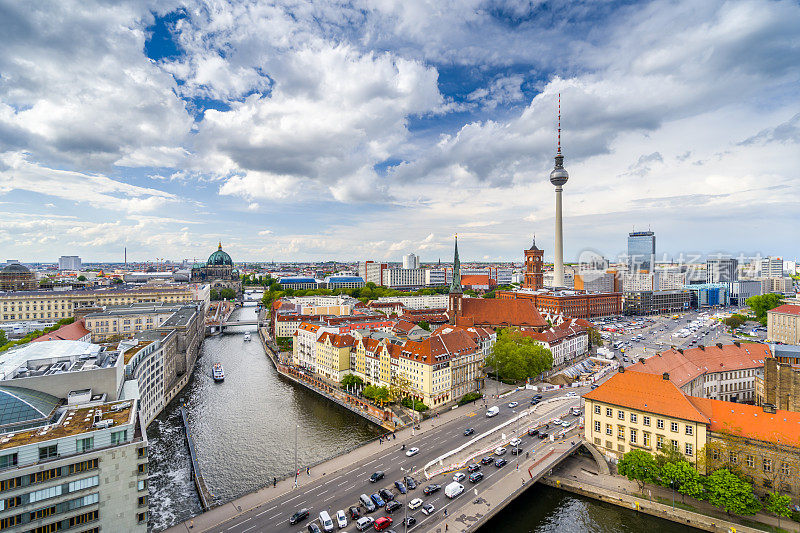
[[436, 301], [772, 267], [404, 278], [410, 261], [69, 262], [372, 271], [595, 281]]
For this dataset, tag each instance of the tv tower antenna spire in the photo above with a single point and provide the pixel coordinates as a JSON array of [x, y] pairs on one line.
[[559, 123]]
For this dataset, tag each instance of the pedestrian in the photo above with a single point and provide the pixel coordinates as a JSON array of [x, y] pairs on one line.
[[445, 512], [308, 471], [274, 482], [445, 527]]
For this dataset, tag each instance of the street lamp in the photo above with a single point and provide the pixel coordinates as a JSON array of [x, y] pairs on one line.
[[405, 507], [296, 475]]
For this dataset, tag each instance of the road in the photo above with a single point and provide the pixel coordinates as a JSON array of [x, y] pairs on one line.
[[343, 490]]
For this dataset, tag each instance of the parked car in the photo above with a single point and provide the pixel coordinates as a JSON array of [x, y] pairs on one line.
[[474, 467], [487, 460], [412, 452], [430, 489], [355, 513], [326, 522], [299, 516], [500, 462], [410, 521], [475, 477], [428, 509], [383, 523], [401, 487], [459, 476], [386, 494], [377, 500], [364, 523], [413, 504], [410, 482], [313, 528], [368, 504], [516, 451], [393, 506], [377, 476], [469, 431]]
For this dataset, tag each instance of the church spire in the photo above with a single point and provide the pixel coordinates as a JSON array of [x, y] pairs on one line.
[[455, 285]]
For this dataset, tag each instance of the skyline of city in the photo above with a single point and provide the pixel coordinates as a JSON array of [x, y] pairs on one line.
[[269, 141]]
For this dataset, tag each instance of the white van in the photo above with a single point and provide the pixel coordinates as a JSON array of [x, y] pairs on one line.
[[492, 411], [453, 489], [325, 522]]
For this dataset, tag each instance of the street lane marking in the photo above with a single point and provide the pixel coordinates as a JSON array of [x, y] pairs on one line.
[[248, 529], [287, 501]]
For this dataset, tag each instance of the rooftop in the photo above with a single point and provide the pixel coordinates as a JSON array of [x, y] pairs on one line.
[[136, 308], [53, 357], [750, 421], [128, 355], [787, 309], [69, 332]]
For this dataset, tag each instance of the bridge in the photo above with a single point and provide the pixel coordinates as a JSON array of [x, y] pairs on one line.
[[337, 482]]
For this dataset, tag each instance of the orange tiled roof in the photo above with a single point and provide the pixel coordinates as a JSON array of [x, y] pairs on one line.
[[496, 313], [340, 341], [566, 330], [788, 309], [69, 332], [750, 421], [648, 393], [680, 369], [476, 279]]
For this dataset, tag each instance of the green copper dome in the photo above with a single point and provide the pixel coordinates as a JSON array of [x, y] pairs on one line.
[[219, 258]]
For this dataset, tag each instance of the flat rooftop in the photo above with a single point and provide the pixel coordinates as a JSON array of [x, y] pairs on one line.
[[72, 422], [53, 357], [128, 355], [136, 308]]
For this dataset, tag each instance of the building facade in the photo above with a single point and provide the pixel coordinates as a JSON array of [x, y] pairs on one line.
[[572, 304], [657, 302], [218, 271], [709, 294], [722, 270], [783, 324], [17, 277], [534, 275], [69, 262], [641, 251]]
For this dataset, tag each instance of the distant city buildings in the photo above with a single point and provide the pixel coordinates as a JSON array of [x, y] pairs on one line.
[[17, 277], [218, 271], [641, 251], [410, 261], [69, 262], [722, 270]]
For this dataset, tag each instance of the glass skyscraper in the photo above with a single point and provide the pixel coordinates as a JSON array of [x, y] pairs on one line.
[[641, 250]]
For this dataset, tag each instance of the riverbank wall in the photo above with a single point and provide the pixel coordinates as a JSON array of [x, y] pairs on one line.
[[380, 417]]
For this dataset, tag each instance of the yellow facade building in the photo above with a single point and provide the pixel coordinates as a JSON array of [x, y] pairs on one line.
[[783, 324]]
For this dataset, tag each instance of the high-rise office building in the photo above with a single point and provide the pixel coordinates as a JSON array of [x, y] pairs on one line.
[[641, 250], [69, 262], [722, 270], [410, 261], [772, 267]]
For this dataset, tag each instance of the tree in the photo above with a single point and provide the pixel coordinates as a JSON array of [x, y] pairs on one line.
[[761, 304], [117, 281], [516, 356], [731, 493], [351, 380], [734, 321], [684, 478], [81, 278], [778, 504], [639, 466], [3, 338], [668, 454], [424, 325], [595, 339]]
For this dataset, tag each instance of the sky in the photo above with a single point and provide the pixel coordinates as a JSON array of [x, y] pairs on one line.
[[367, 129]]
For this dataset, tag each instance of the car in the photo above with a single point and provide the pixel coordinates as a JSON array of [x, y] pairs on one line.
[[566, 423], [313, 528], [410, 521], [401, 488], [516, 451], [364, 523], [474, 467], [376, 476], [499, 450], [515, 442], [413, 504], [557, 421], [368, 504], [383, 523], [341, 519], [513, 405], [299, 516], [410, 482], [386, 494], [430, 489], [377, 500], [475, 477], [459, 476], [487, 460], [469, 431], [393, 506], [538, 397], [500, 462], [535, 402], [412, 452], [532, 432], [355, 513], [428, 509]]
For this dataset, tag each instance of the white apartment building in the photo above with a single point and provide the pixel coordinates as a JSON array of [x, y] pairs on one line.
[[772, 267], [670, 279], [435, 277], [69, 262], [410, 261], [432, 301], [404, 277], [372, 271]]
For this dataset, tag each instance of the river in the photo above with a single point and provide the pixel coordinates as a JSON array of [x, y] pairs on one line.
[[244, 431]]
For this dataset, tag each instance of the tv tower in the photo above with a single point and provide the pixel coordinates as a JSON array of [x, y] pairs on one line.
[[559, 177]]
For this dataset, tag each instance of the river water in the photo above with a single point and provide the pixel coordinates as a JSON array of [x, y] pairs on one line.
[[244, 431]]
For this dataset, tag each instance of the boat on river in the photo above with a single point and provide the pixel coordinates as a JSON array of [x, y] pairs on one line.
[[217, 372]]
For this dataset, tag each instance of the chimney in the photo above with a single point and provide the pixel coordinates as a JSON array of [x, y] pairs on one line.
[[665, 375], [642, 360], [719, 345], [737, 344], [621, 369], [769, 408], [680, 350]]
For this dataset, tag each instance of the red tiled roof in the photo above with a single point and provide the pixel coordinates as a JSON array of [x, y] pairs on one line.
[[69, 332], [426, 311], [566, 330], [750, 421], [787, 309], [496, 313], [403, 326], [475, 279], [648, 393], [680, 369], [340, 341], [439, 348]]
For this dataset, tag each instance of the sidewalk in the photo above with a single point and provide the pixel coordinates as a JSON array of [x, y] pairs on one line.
[[578, 472], [332, 466]]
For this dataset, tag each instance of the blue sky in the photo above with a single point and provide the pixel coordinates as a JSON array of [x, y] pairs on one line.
[[370, 129]]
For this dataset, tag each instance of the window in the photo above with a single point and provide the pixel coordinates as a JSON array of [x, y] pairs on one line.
[[659, 423], [142, 501], [785, 469], [83, 518], [733, 458], [42, 513], [85, 483], [767, 465], [597, 426], [715, 454], [142, 483], [675, 445], [621, 448], [689, 430], [8, 484], [142, 517], [646, 420], [597, 409], [141, 468], [45, 475], [83, 466], [609, 430], [751, 461], [689, 450], [43, 494], [621, 415], [48, 452], [118, 437], [8, 460], [621, 432], [633, 436], [646, 439], [84, 445], [673, 426], [634, 418]]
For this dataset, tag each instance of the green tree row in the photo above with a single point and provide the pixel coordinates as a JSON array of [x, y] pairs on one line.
[[516, 357], [224, 294], [722, 488], [761, 304]]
